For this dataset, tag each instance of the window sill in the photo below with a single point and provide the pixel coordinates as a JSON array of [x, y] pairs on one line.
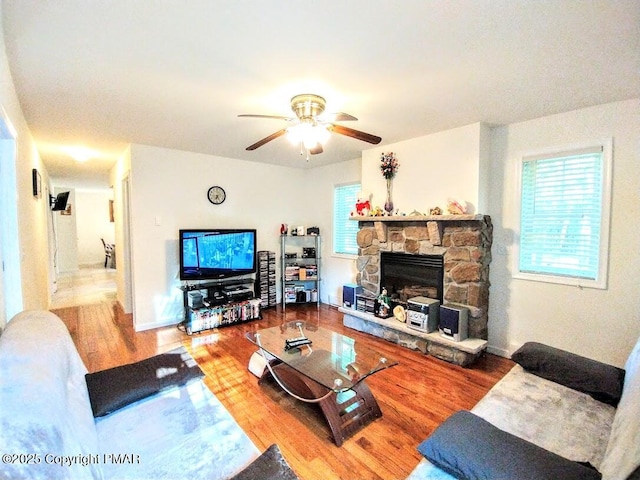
[[569, 281]]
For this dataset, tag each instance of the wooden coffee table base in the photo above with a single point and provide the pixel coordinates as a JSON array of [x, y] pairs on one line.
[[345, 412]]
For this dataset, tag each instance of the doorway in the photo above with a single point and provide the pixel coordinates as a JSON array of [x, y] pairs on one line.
[[83, 273], [11, 301], [127, 283]]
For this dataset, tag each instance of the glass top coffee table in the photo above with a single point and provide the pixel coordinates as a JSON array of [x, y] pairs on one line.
[[330, 371]]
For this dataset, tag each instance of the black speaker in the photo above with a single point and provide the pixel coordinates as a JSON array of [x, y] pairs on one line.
[[349, 292], [454, 321]]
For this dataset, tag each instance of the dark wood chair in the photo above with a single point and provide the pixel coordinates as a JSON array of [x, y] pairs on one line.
[[108, 252]]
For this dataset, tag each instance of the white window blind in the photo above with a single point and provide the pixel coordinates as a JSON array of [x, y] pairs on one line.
[[561, 214], [345, 230]]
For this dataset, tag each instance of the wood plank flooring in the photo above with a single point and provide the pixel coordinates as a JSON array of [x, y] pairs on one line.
[[415, 396]]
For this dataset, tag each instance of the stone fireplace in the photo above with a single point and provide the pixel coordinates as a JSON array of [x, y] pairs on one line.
[[463, 242]]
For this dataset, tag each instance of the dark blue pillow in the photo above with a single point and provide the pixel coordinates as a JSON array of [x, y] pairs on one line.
[[468, 447], [599, 380]]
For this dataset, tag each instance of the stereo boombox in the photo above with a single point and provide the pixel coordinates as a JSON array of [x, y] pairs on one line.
[[422, 314], [454, 321]]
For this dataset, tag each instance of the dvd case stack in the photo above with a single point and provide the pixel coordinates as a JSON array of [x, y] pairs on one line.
[[266, 280], [291, 272], [201, 319]]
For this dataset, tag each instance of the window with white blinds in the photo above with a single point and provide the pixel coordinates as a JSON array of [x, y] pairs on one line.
[[345, 230], [564, 209]]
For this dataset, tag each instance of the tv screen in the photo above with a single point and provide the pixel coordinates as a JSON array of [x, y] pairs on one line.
[[60, 202], [209, 254]]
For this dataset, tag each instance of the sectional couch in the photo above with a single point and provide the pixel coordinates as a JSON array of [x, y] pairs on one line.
[[155, 419], [555, 415]]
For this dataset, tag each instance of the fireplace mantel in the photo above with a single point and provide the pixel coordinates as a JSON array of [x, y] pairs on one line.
[[419, 218]]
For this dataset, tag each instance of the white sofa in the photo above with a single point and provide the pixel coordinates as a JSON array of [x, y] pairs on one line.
[[48, 431], [531, 426]]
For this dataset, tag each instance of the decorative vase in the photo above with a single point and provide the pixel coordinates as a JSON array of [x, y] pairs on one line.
[[388, 205]]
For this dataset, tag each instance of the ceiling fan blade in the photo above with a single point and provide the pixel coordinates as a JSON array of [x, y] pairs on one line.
[[350, 132], [277, 117], [343, 117], [316, 150], [273, 136]]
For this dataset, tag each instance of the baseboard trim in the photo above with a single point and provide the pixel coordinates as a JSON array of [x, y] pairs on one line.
[[501, 352]]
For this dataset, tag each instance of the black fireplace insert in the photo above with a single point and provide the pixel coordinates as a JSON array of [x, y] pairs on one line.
[[405, 275]]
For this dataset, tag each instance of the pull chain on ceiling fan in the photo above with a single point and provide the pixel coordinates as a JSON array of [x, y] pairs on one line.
[[310, 131]]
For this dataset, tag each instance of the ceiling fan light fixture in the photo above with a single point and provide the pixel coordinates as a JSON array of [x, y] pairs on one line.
[[308, 134], [308, 106], [321, 134], [296, 133], [311, 131]]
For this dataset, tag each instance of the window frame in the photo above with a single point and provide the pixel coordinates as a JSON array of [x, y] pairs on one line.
[[601, 280], [333, 221]]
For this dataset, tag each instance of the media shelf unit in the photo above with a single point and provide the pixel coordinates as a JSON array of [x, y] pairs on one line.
[[300, 269], [219, 303]]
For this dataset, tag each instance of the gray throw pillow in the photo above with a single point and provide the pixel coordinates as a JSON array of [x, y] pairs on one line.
[[271, 465], [468, 447], [598, 380]]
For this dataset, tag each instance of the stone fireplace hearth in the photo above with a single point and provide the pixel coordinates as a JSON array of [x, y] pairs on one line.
[[464, 242]]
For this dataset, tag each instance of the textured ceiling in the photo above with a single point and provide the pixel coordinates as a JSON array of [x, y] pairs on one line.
[[175, 74]]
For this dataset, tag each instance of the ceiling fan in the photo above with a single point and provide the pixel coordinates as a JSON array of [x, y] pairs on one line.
[[309, 129]]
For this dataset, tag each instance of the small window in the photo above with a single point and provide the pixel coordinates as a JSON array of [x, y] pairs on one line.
[[564, 222], [345, 230]]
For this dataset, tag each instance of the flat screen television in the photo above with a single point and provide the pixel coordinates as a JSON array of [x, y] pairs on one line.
[[59, 202], [213, 254]]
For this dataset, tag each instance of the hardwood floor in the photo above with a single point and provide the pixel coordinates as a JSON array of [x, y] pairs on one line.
[[88, 285], [415, 396]]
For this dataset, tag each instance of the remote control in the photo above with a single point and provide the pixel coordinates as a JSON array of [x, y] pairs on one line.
[[296, 343]]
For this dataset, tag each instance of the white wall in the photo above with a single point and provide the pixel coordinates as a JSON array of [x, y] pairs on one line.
[[169, 192], [32, 212], [601, 324], [433, 168], [66, 234], [336, 270], [92, 209], [79, 234]]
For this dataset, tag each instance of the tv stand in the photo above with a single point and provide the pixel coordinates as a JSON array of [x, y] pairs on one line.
[[219, 303]]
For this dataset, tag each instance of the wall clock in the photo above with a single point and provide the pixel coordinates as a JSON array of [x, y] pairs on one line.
[[216, 195]]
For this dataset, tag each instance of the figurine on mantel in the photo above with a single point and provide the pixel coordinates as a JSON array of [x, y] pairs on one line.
[[456, 207], [377, 211], [363, 206], [384, 304]]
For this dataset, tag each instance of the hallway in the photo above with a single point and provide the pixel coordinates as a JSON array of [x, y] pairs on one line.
[[88, 285]]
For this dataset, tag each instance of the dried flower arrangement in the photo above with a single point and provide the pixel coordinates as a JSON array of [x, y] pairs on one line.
[[388, 165]]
